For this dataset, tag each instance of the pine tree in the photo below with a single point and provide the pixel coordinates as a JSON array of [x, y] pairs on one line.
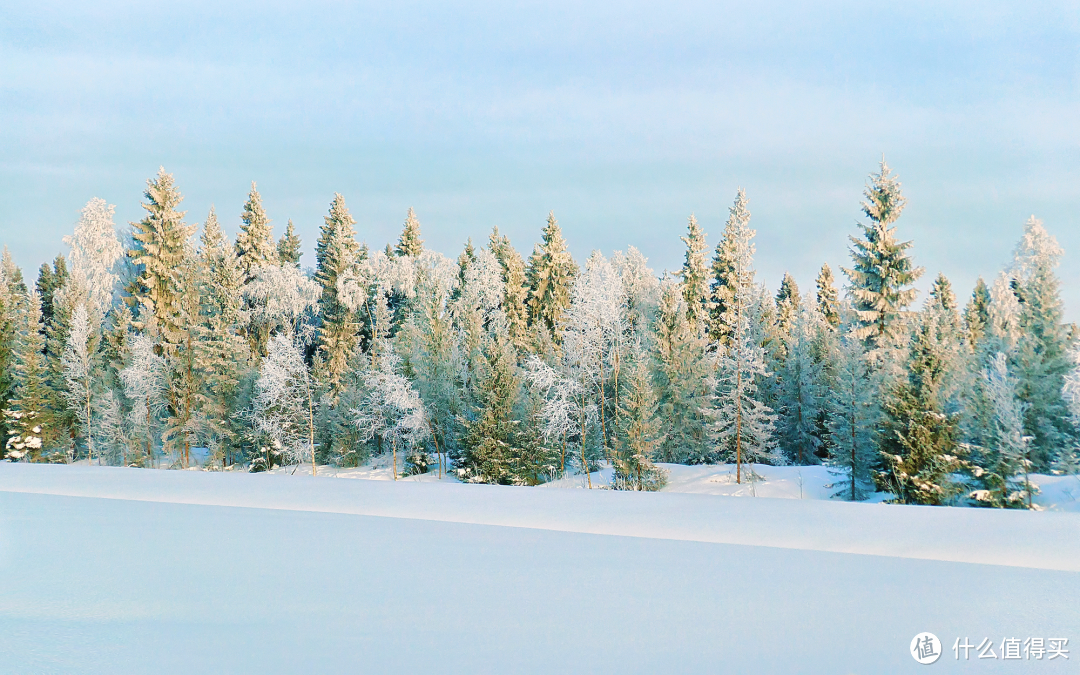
[[742, 425], [409, 243], [95, 252], [515, 301], [851, 419], [288, 247], [882, 271], [337, 253], [919, 440], [550, 274], [803, 385], [694, 273], [683, 366], [787, 304], [1041, 358], [160, 246], [828, 299], [638, 430], [29, 398], [255, 241], [977, 314]]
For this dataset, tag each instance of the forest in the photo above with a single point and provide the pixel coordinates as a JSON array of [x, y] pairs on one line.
[[139, 346]]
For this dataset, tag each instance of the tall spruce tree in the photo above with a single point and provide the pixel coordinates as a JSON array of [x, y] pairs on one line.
[[288, 247], [337, 253], [160, 246], [695, 274], [788, 304], [550, 275], [25, 409], [638, 432], [851, 419], [515, 300], [255, 240], [977, 313], [882, 271], [409, 243], [828, 299]]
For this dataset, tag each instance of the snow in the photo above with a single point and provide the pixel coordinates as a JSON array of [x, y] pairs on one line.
[[126, 570]]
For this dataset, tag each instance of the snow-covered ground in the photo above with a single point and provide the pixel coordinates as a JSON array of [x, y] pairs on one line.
[[106, 570]]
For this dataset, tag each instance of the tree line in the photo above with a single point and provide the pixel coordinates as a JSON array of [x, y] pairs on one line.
[[136, 348]]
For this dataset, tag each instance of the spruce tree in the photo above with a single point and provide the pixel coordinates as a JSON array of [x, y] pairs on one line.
[[828, 299], [919, 439], [409, 243], [50, 280], [882, 273], [977, 314], [515, 300], [803, 386], [1041, 358], [742, 425], [695, 274], [160, 246], [255, 240], [682, 368], [288, 247], [787, 304], [638, 430], [550, 275], [851, 419], [25, 410], [337, 253]]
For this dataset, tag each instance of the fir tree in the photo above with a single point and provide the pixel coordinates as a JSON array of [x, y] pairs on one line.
[[787, 304], [683, 366], [919, 440], [743, 425], [977, 313], [851, 419], [515, 301], [828, 299], [160, 246], [288, 247], [882, 271], [550, 275], [25, 410], [255, 240], [337, 254], [638, 431], [1041, 358], [409, 243], [694, 273]]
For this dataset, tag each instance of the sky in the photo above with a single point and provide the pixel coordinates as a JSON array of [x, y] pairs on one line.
[[622, 118]]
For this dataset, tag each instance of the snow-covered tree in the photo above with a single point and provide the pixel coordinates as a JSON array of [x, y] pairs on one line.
[[918, 441], [803, 384], [641, 292], [565, 411], [144, 382], [550, 274], [852, 417], [1068, 461], [255, 241], [409, 243], [95, 252], [284, 406], [279, 298], [288, 247], [337, 255], [788, 305], [515, 300], [390, 409], [882, 273], [742, 425], [160, 244], [828, 299], [29, 398], [78, 365], [977, 314], [1005, 474], [1041, 356], [638, 431], [695, 273], [683, 367]]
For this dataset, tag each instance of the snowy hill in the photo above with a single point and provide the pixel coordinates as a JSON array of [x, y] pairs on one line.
[[125, 570]]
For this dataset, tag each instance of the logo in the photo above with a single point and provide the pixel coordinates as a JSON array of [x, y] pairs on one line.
[[925, 648]]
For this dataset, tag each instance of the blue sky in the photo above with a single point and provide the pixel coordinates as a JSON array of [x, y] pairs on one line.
[[623, 118]]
